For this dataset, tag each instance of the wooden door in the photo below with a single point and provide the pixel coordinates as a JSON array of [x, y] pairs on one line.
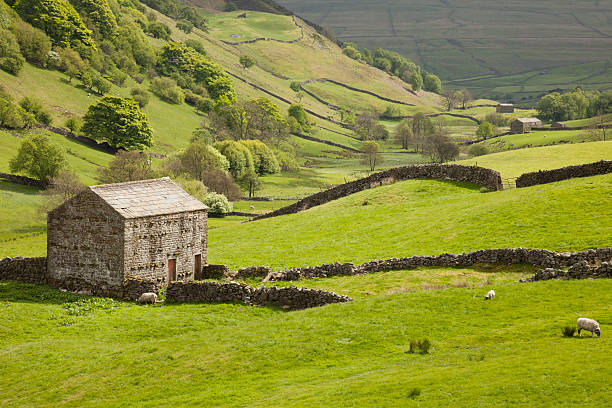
[[197, 267], [171, 270]]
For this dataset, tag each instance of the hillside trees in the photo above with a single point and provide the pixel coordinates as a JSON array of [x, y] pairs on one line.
[[264, 159], [576, 104], [39, 158], [11, 59], [367, 127], [179, 11], [33, 43], [451, 98], [371, 155], [485, 130], [464, 97], [250, 182], [238, 155], [60, 21], [196, 160], [255, 119], [167, 90], [300, 115], [127, 166], [246, 61], [432, 83], [403, 134], [98, 14], [119, 122], [415, 80]]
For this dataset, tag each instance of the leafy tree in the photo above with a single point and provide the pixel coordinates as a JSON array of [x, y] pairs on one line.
[[421, 128], [295, 86], [100, 84], [441, 148], [36, 108], [71, 63], [99, 14], [167, 90], [141, 96], [60, 21], [371, 155], [250, 182], [416, 80], [119, 122], [298, 112], [127, 166], [14, 116], [159, 30], [464, 97], [432, 83], [403, 134], [73, 124], [497, 119], [255, 119], [382, 63], [485, 130], [351, 52], [34, 43], [177, 10], [218, 203], [368, 128], [11, 60], [196, 45], [246, 61], [238, 155], [196, 161], [39, 158], [264, 160], [185, 25], [451, 98]]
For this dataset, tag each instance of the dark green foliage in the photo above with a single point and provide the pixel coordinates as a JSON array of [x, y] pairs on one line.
[[419, 346], [39, 158], [119, 122], [351, 52], [131, 43], [246, 61], [99, 14], [60, 21], [159, 30], [238, 155], [295, 86], [478, 150], [13, 116], [11, 60], [34, 43], [264, 159], [178, 11], [568, 331], [485, 130], [250, 182], [576, 104], [100, 84], [382, 63], [432, 83], [196, 45], [205, 105], [177, 58], [127, 166], [297, 111], [141, 96], [416, 80], [167, 90], [185, 25], [36, 108], [71, 63], [413, 393], [73, 124], [229, 6]]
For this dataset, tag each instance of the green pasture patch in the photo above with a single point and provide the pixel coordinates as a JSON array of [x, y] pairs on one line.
[[229, 27]]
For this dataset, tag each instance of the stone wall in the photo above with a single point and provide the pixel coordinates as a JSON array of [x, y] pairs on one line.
[[510, 256], [473, 174], [580, 270], [29, 270], [564, 173], [134, 287], [232, 292], [26, 181]]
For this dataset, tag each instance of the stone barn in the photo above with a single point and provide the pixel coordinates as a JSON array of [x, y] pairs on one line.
[[149, 229], [505, 108], [558, 125], [524, 125]]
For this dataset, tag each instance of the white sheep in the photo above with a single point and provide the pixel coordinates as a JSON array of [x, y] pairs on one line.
[[252, 207], [148, 297], [490, 295], [589, 325]]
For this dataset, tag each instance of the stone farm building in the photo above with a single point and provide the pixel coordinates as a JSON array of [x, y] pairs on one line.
[[149, 229], [524, 125], [505, 108]]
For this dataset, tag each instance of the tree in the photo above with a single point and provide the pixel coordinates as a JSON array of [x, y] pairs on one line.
[[441, 148], [141, 96], [238, 155], [368, 128], [184, 25], [119, 122], [246, 61], [73, 124], [421, 128], [159, 30], [39, 158], [255, 119], [168, 90], [62, 187], [34, 43], [298, 112], [264, 159], [217, 203], [196, 160], [432, 83], [71, 63], [127, 166], [451, 98], [222, 182], [371, 155], [464, 97], [11, 60], [485, 130], [100, 84], [403, 134], [249, 181], [97, 13], [295, 86], [416, 80]]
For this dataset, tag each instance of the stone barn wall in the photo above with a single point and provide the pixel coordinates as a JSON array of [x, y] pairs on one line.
[[30, 270], [564, 173], [151, 241], [472, 174], [85, 246]]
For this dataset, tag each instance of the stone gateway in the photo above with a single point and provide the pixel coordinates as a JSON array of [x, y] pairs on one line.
[[149, 229]]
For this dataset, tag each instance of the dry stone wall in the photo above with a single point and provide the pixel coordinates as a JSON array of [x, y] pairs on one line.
[[580, 270], [215, 292], [507, 256], [26, 181], [29, 270], [488, 178], [564, 173]]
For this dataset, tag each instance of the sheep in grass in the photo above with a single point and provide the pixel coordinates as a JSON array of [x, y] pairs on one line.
[[148, 297], [490, 295], [589, 325]]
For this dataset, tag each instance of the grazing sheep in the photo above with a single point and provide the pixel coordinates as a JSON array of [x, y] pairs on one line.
[[490, 295], [589, 325], [252, 207], [148, 297]]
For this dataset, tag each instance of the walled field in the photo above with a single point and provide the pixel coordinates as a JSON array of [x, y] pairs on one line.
[[548, 44], [228, 27]]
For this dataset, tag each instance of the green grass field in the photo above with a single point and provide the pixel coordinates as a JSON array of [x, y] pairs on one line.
[[509, 351], [228, 27]]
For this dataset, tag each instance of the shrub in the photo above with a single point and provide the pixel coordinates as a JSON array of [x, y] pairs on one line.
[[35, 107], [11, 60], [167, 90], [413, 393], [484, 190], [229, 6], [39, 158], [141, 96], [73, 124], [196, 45], [568, 331], [218, 203], [184, 25], [478, 150], [14, 116], [205, 105], [420, 347], [159, 30], [34, 43]]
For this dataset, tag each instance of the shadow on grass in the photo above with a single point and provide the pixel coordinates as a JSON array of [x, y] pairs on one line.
[[11, 187], [32, 293]]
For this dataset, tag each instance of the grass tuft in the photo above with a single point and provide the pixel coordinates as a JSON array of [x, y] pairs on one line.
[[568, 331]]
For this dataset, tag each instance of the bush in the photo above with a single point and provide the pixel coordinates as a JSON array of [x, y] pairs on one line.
[[478, 150], [185, 26], [34, 43], [205, 105], [413, 393], [420, 347], [167, 90], [484, 190], [221, 182], [35, 107], [141, 96], [196, 45], [239, 157], [264, 159], [11, 60], [229, 6], [218, 204], [73, 124], [159, 30], [39, 158], [14, 116], [568, 331]]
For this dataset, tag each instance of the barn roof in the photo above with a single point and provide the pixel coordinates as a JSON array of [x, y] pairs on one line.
[[145, 198], [528, 120]]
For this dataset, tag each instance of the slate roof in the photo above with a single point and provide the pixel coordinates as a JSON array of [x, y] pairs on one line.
[[146, 198], [528, 120]]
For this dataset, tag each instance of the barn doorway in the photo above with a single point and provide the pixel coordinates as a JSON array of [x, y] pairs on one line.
[[197, 266], [171, 270]]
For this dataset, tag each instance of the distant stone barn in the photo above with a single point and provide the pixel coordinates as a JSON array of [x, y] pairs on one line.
[[505, 108], [150, 229], [524, 125]]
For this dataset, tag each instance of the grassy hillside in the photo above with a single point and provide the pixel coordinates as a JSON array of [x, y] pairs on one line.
[[515, 50], [507, 351], [423, 217]]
